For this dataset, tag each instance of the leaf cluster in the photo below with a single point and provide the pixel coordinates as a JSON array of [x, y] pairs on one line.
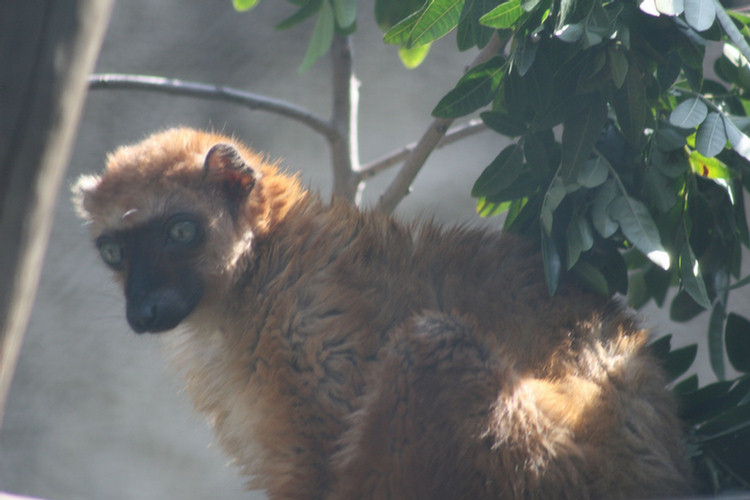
[[333, 16], [718, 414]]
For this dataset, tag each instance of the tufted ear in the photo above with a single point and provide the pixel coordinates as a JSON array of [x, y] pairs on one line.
[[225, 165]]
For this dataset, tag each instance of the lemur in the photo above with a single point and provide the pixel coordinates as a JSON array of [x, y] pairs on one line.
[[341, 354]]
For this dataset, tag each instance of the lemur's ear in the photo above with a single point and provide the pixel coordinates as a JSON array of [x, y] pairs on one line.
[[225, 165]]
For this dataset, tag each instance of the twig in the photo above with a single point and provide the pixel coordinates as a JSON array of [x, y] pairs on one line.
[[213, 92], [399, 187], [344, 144], [453, 135]]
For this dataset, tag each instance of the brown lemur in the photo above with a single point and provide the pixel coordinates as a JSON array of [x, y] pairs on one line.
[[340, 354]]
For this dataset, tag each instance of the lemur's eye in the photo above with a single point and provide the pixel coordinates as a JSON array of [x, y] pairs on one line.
[[183, 231], [110, 251]]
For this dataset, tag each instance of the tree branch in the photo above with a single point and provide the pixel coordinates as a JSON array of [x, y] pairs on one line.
[[375, 167], [399, 187], [174, 86], [345, 143]]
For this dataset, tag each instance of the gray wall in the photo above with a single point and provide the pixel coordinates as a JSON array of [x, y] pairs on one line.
[[94, 412]]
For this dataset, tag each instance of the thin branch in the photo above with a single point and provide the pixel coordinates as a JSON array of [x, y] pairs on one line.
[[453, 135], [174, 86], [344, 145], [399, 187]]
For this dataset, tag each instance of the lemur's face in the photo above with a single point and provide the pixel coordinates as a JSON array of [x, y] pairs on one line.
[[166, 223], [157, 261]]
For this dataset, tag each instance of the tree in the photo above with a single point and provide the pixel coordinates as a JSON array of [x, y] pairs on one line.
[[45, 55], [629, 167]]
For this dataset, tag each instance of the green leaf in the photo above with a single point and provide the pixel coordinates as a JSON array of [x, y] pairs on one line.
[[603, 223], [598, 26], [504, 123], [549, 114], [711, 137], [524, 55], [552, 199], [592, 277], [667, 73], [321, 38], [244, 5], [580, 135], [345, 12], [579, 238], [716, 340], [413, 57], [740, 142], [539, 150], [692, 278], [729, 422], [389, 12], [306, 10], [738, 342], [670, 7], [659, 189], [474, 90], [551, 263], [470, 33], [541, 88], [712, 168], [677, 362], [706, 402], [570, 33], [660, 347], [503, 170], [618, 66], [524, 186], [689, 113], [684, 307], [631, 107], [687, 386], [669, 138], [658, 282], [639, 228], [694, 78], [486, 208], [700, 14], [433, 21], [515, 96], [637, 291], [521, 214], [570, 9], [504, 15], [593, 172]]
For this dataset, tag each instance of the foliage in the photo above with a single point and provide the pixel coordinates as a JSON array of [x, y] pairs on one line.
[[628, 165], [718, 414]]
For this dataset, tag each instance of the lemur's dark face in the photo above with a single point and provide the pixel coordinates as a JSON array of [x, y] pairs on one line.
[[157, 262]]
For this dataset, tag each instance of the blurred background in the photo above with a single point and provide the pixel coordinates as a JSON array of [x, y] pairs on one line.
[[94, 411]]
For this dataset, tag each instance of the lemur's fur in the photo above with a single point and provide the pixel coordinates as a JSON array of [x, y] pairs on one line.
[[343, 355]]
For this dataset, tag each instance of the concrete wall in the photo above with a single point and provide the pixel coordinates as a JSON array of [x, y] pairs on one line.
[[94, 413]]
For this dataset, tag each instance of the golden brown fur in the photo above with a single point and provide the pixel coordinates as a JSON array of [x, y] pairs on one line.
[[342, 355]]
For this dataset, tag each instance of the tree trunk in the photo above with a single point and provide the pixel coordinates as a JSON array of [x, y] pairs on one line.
[[47, 49]]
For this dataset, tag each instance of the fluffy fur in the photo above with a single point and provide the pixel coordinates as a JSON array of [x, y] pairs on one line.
[[343, 355]]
